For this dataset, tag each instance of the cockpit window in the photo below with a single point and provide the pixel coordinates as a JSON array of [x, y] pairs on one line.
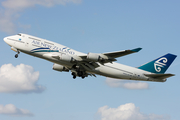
[[19, 34]]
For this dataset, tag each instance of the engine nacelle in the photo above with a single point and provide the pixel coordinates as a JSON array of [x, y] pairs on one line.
[[66, 58], [60, 68], [96, 57]]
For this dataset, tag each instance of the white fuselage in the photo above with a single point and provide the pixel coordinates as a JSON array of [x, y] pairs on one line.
[[28, 44]]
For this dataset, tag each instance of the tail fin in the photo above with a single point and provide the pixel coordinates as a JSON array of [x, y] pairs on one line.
[[159, 65]]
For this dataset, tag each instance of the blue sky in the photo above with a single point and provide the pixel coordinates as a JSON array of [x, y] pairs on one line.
[[89, 26]]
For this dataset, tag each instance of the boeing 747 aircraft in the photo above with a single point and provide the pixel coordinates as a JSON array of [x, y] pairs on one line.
[[84, 65]]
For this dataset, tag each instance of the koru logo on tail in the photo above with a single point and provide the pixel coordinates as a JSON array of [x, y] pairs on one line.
[[159, 64]]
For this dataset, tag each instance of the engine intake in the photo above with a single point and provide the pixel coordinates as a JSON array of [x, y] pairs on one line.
[[60, 68]]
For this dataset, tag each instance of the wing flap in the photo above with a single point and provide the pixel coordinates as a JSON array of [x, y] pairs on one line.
[[159, 76]]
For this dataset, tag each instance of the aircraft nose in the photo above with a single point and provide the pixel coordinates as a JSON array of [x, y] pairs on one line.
[[5, 39]]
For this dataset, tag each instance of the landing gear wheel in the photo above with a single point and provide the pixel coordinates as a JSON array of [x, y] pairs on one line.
[[74, 77], [16, 56]]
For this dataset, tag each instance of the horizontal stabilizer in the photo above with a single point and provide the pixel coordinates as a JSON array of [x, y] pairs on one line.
[[159, 76]]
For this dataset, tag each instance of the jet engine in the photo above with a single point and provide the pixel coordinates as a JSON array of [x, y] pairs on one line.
[[66, 58], [60, 68], [96, 57]]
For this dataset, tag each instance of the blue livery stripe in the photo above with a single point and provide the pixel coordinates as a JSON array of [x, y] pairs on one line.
[[39, 49], [43, 50]]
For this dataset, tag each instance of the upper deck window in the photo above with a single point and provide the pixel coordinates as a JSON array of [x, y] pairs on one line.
[[19, 34]]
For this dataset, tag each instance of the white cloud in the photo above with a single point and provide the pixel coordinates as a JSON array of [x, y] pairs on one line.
[[127, 112], [12, 110], [127, 84], [19, 79], [10, 10]]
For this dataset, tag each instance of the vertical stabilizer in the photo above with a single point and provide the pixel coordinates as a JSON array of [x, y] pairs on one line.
[[159, 65]]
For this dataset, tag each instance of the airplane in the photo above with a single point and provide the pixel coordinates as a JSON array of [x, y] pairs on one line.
[[83, 65]]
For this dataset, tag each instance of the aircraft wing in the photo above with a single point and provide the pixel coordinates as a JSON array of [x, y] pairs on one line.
[[122, 53], [107, 57], [91, 60]]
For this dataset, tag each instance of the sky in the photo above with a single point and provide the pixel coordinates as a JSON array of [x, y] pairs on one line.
[[31, 90]]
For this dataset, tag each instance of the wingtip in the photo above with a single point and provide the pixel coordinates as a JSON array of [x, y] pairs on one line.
[[136, 49]]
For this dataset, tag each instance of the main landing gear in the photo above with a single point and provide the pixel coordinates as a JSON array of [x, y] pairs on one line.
[[78, 71], [79, 74], [74, 75]]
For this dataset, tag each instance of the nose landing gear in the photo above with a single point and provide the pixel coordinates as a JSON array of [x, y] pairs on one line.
[[16, 55]]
